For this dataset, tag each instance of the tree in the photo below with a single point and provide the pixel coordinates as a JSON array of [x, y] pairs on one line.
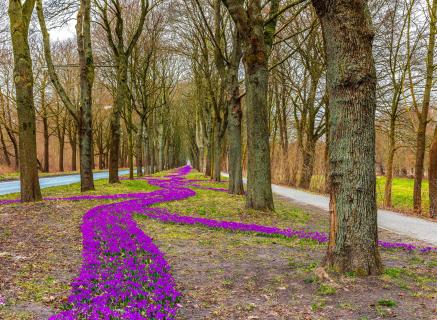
[[121, 54], [351, 82], [428, 87], [422, 113], [81, 115], [257, 38], [20, 16]]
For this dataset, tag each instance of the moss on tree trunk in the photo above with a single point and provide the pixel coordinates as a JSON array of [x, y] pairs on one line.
[[351, 80], [20, 16]]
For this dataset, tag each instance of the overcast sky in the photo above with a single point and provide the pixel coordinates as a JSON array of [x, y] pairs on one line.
[[64, 32]]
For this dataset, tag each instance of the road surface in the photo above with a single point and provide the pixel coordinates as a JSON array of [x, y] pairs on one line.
[[413, 227], [8, 187]]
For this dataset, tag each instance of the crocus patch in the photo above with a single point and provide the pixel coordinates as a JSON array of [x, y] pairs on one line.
[[124, 275]]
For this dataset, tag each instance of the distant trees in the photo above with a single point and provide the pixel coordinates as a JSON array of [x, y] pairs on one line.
[[112, 16]]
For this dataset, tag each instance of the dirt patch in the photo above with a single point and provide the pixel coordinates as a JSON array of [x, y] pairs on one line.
[[40, 253]]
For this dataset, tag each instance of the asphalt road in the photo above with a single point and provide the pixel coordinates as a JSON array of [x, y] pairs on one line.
[[8, 187]]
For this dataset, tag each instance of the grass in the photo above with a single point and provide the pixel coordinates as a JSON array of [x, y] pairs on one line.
[[222, 206], [402, 192]]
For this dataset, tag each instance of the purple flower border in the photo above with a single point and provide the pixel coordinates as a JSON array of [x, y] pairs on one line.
[[124, 275]]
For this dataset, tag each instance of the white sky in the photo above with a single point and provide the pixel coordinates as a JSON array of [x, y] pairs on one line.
[[65, 32]]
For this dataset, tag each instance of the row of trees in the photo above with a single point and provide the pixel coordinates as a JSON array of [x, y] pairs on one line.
[[310, 85], [182, 74], [140, 75]]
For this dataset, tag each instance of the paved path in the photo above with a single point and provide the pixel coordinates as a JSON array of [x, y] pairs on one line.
[[416, 228], [8, 187]]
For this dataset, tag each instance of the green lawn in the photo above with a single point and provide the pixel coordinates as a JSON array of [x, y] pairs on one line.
[[402, 192]]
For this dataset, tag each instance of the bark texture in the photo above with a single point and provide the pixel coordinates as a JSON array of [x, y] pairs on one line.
[[257, 38], [86, 63], [426, 101], [20, 15], [351, 80]]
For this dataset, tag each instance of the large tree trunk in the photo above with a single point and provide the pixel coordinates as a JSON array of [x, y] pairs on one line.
[[234, 137], [86, 62], [20, 16], [120, 101], [259, 189], [351, 80]]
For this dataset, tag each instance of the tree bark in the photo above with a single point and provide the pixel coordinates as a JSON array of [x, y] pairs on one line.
[[46, 136], [86, 62], [61, 140], [120, 101], [351, 80], [5, 148], [20, 16], [235, 115], [423, 115], [82, 117], [139, 149], [389, 171], [308, 157], [257, 38], [433, 178]]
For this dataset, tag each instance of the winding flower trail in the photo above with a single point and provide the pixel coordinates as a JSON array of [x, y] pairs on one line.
[[124, 275]]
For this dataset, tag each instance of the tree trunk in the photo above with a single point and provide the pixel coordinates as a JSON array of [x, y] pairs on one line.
[[351, 80], [218, 142], [423, 116], [86, 62], [234, 136], [139, 150], [73, 147], [5, 149], [259, 190], [45, 122], [61, 141], [308, 157], [389, 171], [120, 101], [433, 177], [20, 16], [209, 159]]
